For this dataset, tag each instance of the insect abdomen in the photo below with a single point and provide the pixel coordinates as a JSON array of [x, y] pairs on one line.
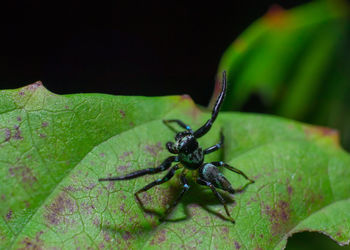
[[211, 173]]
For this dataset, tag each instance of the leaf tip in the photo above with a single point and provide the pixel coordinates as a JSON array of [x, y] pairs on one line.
[[276, 16], [323, 132]]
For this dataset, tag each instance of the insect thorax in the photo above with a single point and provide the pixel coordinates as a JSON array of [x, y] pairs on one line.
[[192, 160]]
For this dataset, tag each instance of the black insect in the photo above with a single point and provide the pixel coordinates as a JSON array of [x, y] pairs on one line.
[[190, 157]]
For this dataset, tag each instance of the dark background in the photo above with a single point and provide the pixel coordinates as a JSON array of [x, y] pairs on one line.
[[148, 48]]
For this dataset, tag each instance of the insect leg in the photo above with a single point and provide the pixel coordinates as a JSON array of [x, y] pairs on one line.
[[164, 166], [216, 146], [233, 169], [167, 177], [205, 128], [217, 194], [179, 122], [184, 190]]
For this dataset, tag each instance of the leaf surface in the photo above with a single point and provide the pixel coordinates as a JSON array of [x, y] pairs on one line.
[[54, 148]]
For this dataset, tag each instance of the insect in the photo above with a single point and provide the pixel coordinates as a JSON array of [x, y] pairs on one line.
[[189, 156]]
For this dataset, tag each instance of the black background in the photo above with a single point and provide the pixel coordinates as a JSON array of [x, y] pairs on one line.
[[140, 48]]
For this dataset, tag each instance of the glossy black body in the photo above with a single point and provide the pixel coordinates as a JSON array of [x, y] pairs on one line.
[[190, 157]]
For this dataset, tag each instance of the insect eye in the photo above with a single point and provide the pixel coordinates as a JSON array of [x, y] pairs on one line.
[[188, 144], [178, 136], [181, 135]]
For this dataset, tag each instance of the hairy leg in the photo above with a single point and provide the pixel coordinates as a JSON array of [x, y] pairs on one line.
[[217, 194], [179, 122], [162, 167], [216, 146]]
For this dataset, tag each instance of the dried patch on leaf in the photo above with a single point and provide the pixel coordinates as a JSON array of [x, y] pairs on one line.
[[17, 135], [35, 244], [58, 208], [159, 237], [7, 134], [34, 86], [9, 215], [237, 245], [312, 131], [122, 113], [278, 216], [276, 16], [154, 149], [125, 154], [24, 173]]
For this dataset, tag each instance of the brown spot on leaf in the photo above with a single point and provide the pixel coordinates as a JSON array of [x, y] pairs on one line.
[[276, 16], [111, 185], [185, 97], [70, 188], [24, 173], [3, 197], [34, 86], [96, 222], [146, 199], [122, 113], [44, 124], [122, 207], [123, 168], [18, 132], [290, 189], [314, 198], [154, 149], [237, 245], [42, 135], [21, 93], [224, 230], [87, 207], [19, 118], [125, 154], [9, 215], [91, 186], [33, 244], [251, 200], [278, 216], [159, 238], [127, 236], [58, 208], [7, 134], [106, 237], [312, 131]]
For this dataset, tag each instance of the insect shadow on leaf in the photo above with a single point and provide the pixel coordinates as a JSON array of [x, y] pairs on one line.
[[188, 156]]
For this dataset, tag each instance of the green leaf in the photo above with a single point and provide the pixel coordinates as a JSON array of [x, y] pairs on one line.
[[54, 148], [295, 62]]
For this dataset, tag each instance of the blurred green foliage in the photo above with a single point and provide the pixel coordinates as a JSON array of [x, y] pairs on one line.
[[294, 63]]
